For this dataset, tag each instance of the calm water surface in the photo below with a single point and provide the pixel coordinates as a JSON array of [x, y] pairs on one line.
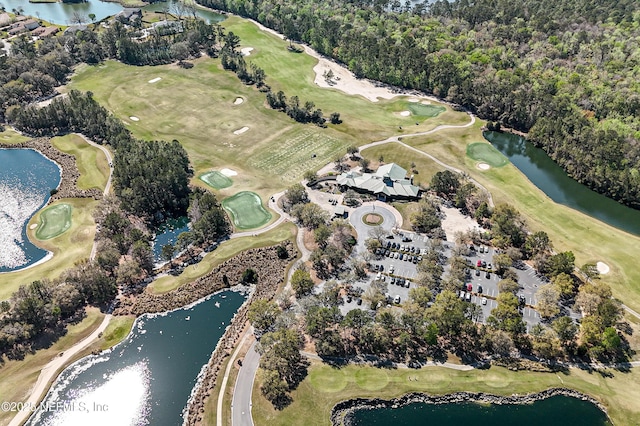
[[544, 173], [168, 234], [26, 177], [147, 379], [555, 411]]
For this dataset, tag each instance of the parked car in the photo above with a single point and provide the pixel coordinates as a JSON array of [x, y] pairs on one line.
[[480, 289], [358, 301], [407, 284], [487, 275], [477, 272], [349, 298], [484, 264], [461, 294], [479, 263], [469, 287], [484, 300], [396, 299], [391, 269], [382, 267], [467, 297]]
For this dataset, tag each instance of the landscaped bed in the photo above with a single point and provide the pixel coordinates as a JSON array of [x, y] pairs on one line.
[[484, 152], [54, 221], [216, 180], [372, 219], [246, 210]]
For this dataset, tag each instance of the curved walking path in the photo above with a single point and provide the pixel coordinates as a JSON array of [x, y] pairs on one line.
[[241, 404], [107, 154], [225, 379], [50, 371]]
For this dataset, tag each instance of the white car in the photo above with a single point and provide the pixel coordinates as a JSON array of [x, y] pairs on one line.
[[484, 300], [396, 299]]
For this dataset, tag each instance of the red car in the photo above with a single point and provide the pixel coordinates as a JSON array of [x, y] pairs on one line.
[[479, 264], [469, 287]]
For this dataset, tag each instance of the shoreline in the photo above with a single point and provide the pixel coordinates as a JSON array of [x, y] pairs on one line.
[[341, 412]]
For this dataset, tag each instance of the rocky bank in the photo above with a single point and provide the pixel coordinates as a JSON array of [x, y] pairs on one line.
[[341, 412]]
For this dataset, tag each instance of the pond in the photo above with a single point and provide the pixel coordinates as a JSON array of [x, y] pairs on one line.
[[544, 173], [168, 234], [26, 179], [146, 379], [554, 411], [61, 13]]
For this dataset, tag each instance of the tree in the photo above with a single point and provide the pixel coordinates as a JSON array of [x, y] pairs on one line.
[[508, 227], [372, 244], [566, 330], [447, 312], [590, 271], [310, 215], [508, 286], [547, 298], [321, 235], [422, 296], [560, 263], [310, 176], [262, 314], [564, 284], [502, 263], [364, 163], [296, 194], [301, 283], [128, 272], [445, 182], [352, 150], [545, 342], [426, 217], [275, 389], [249, 276], [334, 118], [167, 252], [536, 243], [506, 315]]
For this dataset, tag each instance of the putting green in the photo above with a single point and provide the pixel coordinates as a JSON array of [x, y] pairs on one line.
[[54, 221], [246, 210], [216, 180], [422, 110], [482, 151]]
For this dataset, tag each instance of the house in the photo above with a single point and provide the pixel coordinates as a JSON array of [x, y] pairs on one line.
[[129, 15], [23, 26], [44, 32], [5, 19], [339, 212], [387, 183], [75, 28]]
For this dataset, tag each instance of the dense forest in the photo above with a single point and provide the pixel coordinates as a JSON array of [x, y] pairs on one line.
[[566, 72]]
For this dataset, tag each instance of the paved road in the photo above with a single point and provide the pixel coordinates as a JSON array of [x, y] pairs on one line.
[[241, 404], [50, 371], [362, 229], [225, 379]]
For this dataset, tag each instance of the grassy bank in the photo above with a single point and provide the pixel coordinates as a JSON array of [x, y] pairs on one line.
[[68, 248], [10, 136], [325, 386], [225, 251], [17, 377], [92, 163]]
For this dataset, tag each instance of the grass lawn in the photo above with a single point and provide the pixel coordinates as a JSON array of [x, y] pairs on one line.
[[589, 239], [92, 163], [485, 152], [406, 209], [11, 136], [18, 377], [118, 328], [54, 221], [422, 110], [226, 250], [216, 180], [246, 210], [68, 248], [325, 386]]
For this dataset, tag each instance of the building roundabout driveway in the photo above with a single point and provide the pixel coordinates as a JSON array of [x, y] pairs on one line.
[[391, 218]]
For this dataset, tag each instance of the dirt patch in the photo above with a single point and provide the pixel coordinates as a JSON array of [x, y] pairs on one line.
[[241, 131], [238, 101], [483, 166], [602, 268], [455, 221]]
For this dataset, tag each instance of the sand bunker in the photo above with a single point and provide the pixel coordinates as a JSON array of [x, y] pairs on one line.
[[602, 268], [413, 100], [483, 166], [426, 102], [246, 51], [155, 80], [241, 131], [238, 101], [33, 226], [405, 113], [228, 172], [133, 118]]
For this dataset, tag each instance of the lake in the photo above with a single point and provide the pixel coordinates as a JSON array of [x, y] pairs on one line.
[[146, 379], [554, 411], [26, 178], [168, 234], [61, 13], [544, 173]]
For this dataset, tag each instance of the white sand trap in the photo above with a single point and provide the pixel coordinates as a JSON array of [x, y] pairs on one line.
[[426, 102], [483, 166], [229, 172], [241, 131], [33, 226], [155, 80], [134, 118], [602, 268], [405, 113], [246, 51], [414, 100], [238, 101]]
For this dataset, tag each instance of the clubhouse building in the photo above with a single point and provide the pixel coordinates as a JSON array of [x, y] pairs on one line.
[[389, 182]]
